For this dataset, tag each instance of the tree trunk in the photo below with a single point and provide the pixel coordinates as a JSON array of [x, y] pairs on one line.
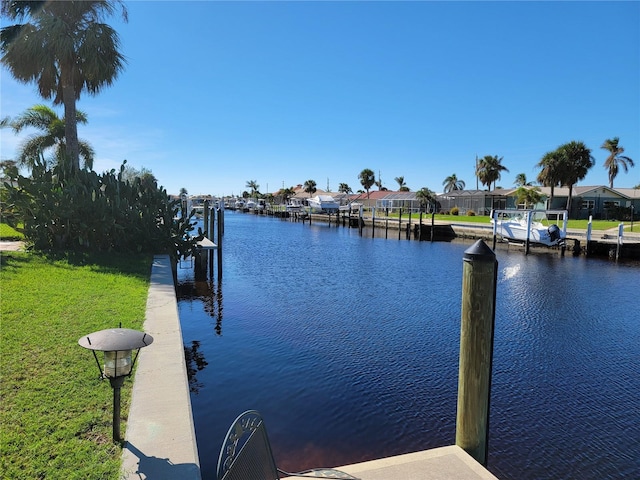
[[569, 200], [70, 128]]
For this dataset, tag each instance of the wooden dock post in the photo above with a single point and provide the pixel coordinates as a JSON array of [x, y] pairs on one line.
[[399, 223], [495, 227], [589, 226], [479, 279], [386, 224], [205, 215], [219, 246], [619, 240], [373, 222]]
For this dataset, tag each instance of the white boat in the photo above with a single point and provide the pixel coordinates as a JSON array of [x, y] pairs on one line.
[[323, 204], [530, 225], [294, 206], [351, 207]]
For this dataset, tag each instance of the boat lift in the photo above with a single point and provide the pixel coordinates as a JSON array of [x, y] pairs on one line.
[[528, 220]]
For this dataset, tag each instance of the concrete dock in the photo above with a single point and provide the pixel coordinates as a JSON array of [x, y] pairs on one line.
[[160, 435]]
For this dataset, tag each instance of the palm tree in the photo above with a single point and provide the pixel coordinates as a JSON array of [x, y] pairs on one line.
[[46, 120], [286, 194], [528, 195], [521, 181], [367, 179], [344, 188], [551, 172], [66, 50], [489, 169], [254, 187], [402, 185], [576, 160], [615, 160], [452, 183], [310, 187], [426, 197]]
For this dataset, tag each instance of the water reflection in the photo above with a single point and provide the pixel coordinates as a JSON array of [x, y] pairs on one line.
[[207, 292], [195, 362]]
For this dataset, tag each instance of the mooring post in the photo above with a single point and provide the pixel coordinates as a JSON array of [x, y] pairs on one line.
[[219, 246], [386, 224], [433, 224], [619, 242], [588, 235], [373, 222], [205, 215], [399, 223], [420, 227], [361, 219], [479, 279], [494, 216], [208, 232]]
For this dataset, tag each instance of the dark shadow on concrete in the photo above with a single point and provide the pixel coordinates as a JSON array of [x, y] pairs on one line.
[[154, 468]]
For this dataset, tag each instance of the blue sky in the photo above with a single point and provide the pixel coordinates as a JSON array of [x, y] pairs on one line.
[[219, 93]]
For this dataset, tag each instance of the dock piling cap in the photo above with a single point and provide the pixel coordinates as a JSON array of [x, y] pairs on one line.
[[479, 252]]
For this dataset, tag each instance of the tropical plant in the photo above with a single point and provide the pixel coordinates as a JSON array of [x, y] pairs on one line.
[[521, 181], [367, 179], [52, 136], [489, 170], [310, 187], [254, 187], [344, 188], [528, 195], [286, 194], [551, 172], [97, 212], [615, 160], [453, 183], [183, 192], [402, 185], [66, 49], [426, 197], [576, 160]]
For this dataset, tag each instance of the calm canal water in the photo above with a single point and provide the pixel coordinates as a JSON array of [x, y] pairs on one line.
[[348, 346]]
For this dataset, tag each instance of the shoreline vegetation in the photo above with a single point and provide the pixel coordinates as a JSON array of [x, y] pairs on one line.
[[55, 415]]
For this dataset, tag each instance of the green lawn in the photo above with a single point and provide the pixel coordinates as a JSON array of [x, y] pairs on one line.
[[9, 233], [55, 414], [483, 219]]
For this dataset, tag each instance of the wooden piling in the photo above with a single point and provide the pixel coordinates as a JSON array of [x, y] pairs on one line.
[[479, 279], [220, 235]]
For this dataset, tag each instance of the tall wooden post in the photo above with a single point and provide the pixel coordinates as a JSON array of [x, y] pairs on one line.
[[479, 279], [219, 246], [209, 235], [205, 216]]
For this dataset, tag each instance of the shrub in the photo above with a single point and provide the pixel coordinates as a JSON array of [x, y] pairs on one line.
[[455, 211], [471, 213], [94, 212]]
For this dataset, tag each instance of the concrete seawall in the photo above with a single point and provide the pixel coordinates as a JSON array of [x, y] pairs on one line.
[[160, 435]]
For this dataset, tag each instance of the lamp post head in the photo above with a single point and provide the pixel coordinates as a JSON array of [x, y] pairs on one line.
[[117, 345]]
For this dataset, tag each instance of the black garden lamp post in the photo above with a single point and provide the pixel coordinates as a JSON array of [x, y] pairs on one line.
[[118, 345]]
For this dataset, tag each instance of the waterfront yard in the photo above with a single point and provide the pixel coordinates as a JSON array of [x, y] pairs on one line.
[[55, 415]]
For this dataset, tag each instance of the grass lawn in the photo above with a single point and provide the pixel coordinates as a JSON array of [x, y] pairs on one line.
[[9, 233], [55, 414], [485, 219]]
